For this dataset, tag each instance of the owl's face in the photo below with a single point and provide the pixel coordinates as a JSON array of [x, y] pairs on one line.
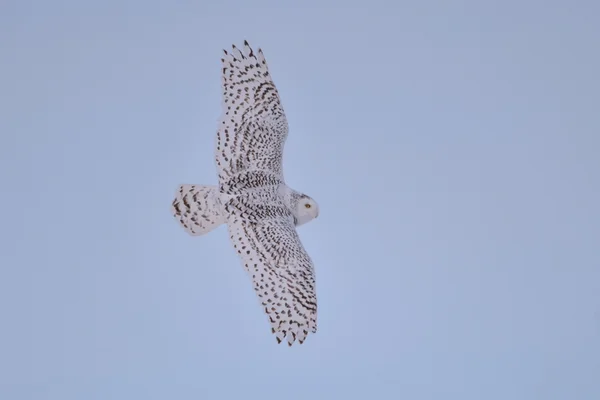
[[307, 210]]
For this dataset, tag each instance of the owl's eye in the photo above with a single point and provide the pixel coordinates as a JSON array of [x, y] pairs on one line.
[[307, 205]]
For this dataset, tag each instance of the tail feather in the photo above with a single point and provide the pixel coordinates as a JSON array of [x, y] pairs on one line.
[[198, 208]]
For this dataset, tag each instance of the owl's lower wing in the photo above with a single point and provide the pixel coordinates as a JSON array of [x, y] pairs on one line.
[[253, 127], [282, 273]]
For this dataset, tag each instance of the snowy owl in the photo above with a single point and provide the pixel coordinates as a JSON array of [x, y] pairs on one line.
[[260, 210]]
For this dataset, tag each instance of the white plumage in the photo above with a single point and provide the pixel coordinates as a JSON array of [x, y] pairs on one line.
[[261, 211], [198, 208]]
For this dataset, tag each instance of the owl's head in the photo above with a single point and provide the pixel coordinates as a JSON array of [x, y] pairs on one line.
[[306, 210]]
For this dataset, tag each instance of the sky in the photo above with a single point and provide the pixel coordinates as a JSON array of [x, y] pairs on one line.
[[452, 147]]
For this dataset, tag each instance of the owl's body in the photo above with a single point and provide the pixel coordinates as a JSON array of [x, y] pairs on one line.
[[252, 198]]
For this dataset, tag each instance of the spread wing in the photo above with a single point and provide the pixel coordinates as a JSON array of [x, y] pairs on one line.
[[253, 127], [281, 269]]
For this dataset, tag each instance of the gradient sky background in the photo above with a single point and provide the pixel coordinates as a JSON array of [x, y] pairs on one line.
[[453, 147]]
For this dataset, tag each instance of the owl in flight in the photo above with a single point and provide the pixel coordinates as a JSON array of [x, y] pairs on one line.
[[252, 198]]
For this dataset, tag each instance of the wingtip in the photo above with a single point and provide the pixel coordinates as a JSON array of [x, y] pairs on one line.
[[249, 49]]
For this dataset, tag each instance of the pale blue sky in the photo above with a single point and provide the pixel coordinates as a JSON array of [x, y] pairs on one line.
[[453, 148]]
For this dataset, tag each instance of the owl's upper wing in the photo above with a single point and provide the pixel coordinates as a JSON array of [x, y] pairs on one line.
[[281, 270], [253, 127]]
